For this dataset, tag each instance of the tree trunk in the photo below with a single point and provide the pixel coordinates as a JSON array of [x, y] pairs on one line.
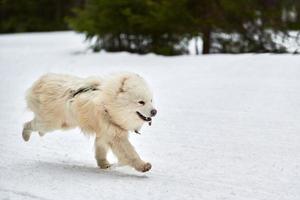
[[196, 46], [206, 41]]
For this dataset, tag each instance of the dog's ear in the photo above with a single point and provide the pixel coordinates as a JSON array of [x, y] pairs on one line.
[[122, 87]]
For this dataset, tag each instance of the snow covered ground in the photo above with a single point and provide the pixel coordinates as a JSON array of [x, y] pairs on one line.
[[228, 126]]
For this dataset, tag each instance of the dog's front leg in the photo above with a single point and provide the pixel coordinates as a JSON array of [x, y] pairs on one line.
[[126, 153], [101, 153]]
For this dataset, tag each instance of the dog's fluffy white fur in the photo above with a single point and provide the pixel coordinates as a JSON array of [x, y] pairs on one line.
[[107, 107]]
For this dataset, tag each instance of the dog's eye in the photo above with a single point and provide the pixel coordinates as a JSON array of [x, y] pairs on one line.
[[142, 102]]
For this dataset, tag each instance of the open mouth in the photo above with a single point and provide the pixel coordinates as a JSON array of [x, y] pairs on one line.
[[147, 119]]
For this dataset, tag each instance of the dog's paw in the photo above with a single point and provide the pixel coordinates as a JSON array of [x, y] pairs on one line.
[[103, 164], [144, 168], [26, 135], [41, 134], [147, 167]]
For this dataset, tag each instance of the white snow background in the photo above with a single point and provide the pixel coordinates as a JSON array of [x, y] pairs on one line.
[[228, 126]]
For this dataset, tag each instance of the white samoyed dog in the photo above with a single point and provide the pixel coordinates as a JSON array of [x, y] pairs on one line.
[[108, 108]]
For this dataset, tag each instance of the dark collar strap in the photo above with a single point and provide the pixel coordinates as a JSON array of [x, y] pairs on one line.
[[84, 89]]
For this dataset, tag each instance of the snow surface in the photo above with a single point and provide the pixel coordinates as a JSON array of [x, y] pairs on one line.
[[228, 126]]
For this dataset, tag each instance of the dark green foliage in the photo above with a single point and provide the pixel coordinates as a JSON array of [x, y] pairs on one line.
[[133, 25], [34, 15], [161, 26], [164, 26], [229, 26]]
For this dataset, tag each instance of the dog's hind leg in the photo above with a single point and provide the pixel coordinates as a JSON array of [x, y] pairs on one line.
[[33, 125], [101, 153]]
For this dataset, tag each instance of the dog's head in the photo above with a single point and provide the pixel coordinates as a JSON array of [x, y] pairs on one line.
[[129, 101]]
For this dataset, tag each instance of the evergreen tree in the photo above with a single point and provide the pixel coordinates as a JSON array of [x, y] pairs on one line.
[[229, 26], [165, 26], [134, 25], [33, 15]]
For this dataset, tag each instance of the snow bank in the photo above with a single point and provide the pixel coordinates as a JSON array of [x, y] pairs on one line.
[[227, 127]]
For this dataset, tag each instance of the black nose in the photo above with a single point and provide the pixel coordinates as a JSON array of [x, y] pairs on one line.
[[153, 112]]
